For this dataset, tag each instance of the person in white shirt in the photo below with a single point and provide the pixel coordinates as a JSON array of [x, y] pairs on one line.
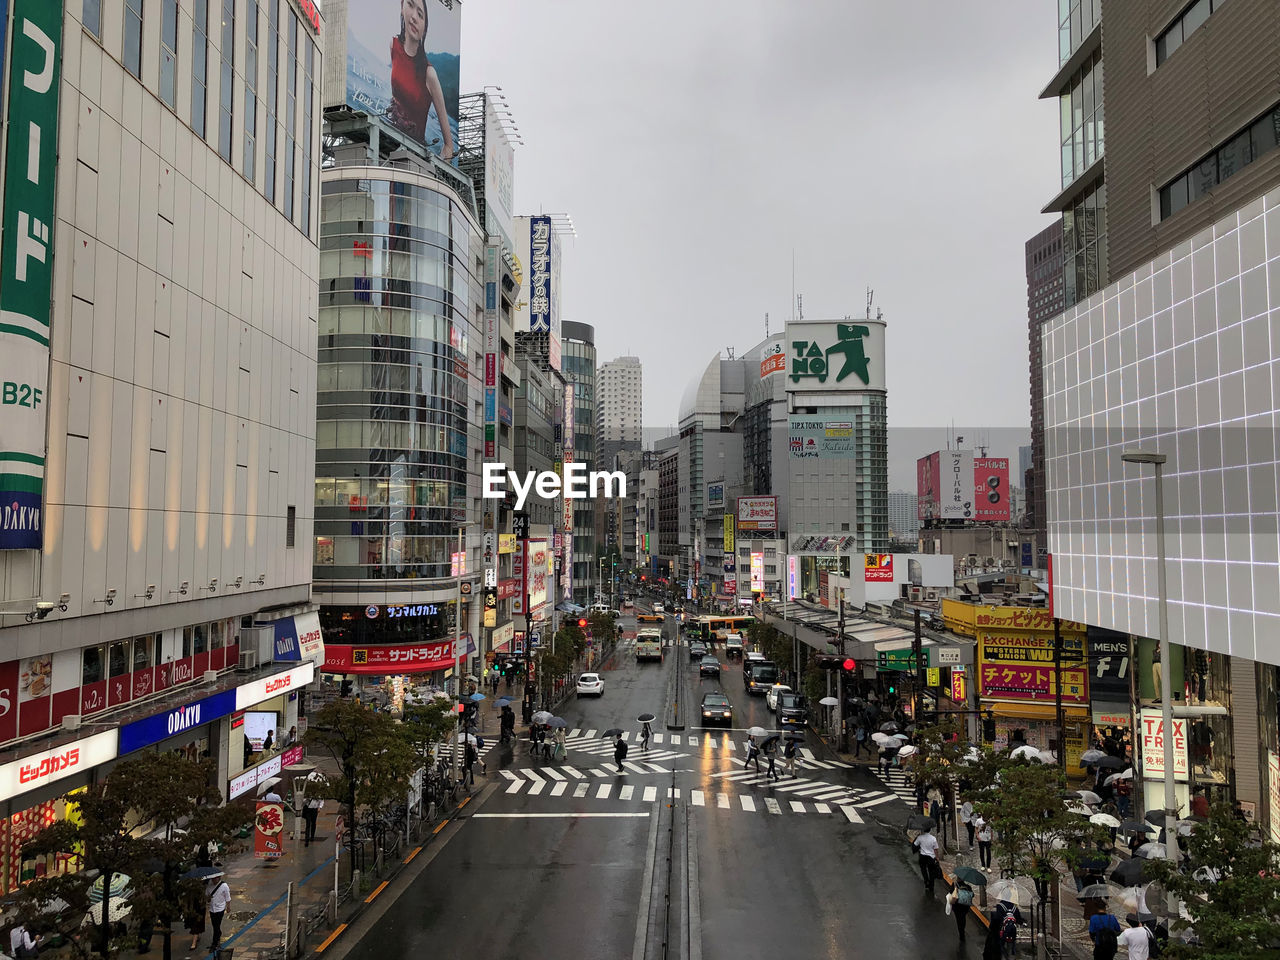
[[985, 836], [966, 817], [271, 796], [926, 846], [219, 900], [1137, 939], [21, 944]]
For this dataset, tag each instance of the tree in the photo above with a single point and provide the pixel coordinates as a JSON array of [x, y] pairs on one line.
[[127, 825], [603, 628], [375, 758], [1234, 900], [939, 761], [428, 724]]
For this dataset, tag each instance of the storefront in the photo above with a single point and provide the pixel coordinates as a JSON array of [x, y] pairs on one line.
[[394, 623], [1110, 674], [264, 722]]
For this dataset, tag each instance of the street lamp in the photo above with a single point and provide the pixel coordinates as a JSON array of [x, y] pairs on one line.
[[1158, 460]]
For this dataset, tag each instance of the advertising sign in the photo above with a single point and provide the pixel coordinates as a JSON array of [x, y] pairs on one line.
[[149, 730], [729, 545], [541, 236], [715, 496], [903, 658], [775, 359], [566, 520], [1273, 792], [518, 573], [536, 573], [928, 481], [255, 691], [299, 638], [26, 267], [268, 830], [1109, 667], [506, 543], [991, 489], [499, 175], [1021, 667], [956, 493], [56, 763], [402, 66], [1152, 734], [793, 577], [878, 567], [821, 439], [835, 356], [402, 658], [757, 573], [757, 513], [959, 685]]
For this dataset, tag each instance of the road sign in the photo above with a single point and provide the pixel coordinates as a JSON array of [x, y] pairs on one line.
[[535, 637], [901, 659], [948, 655]]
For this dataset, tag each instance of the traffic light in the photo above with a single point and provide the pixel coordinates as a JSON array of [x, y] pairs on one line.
[[893, 688], [825, 661], [989, 729], [849, 665], [582, 622], [346, 688]]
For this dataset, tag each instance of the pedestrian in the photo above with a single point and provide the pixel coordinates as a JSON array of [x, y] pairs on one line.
[[269, 742], [21, 945], [544, 744], [860, 741], [271, 796], [469, 763], [193, 919], [1124, 791], [985, 836], [507, 724], [645, 733], [959, 900], [219, 900], [1009, 924], [559, 751], [1104, 931], [771, 754], [753, 753], [493, 682], [1137, 939], [966, 817], [926, 848], [619, 752], [533, 739], [883, 762], [789, 754], [311, 808]]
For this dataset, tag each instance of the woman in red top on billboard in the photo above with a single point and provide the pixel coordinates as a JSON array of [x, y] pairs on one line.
[[415, 88]]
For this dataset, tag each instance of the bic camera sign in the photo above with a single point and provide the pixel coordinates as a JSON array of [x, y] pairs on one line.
[[835, 356]]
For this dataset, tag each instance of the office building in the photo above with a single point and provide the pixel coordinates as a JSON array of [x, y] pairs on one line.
[[1045, 299], [578, 347], [904, 520], [619, 414]]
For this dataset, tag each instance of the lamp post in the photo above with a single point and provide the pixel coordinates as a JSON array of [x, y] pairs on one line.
[[1166, 675]]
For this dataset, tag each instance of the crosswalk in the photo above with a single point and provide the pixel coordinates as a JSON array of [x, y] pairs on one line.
[[898, 784], [669, 746]]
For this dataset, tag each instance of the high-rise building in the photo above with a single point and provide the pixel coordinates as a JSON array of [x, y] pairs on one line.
[[1175, 357], [1045, 299], [619, 414], [158, 449], [578, 358], [904, 518]]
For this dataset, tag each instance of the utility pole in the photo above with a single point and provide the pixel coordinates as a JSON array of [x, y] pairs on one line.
[[520, 523], [844, 738], [1057, 683], [459, 746], [917, 655]]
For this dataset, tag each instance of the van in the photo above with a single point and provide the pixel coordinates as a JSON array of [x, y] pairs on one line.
[[733, 645], [658, 608]]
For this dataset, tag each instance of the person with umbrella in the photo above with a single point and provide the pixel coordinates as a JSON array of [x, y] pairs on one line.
[[619, 751], [789, 752], [753, 753], [959, 900], [646, 731], [1104, 931], [771, 753], [507, 723], [469, 763]]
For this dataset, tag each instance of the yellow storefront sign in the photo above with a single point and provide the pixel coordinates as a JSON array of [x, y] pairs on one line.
[[506, 543], [728, 536]]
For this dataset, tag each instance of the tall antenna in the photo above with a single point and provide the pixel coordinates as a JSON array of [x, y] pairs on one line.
[[766, 324], [871, 295], [793, 284], [800, 306]]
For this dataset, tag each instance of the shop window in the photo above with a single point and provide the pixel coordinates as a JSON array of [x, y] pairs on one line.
[[217, 632], [186, 642], [141, 653], [92, 666], [200, 639], [118, 661]]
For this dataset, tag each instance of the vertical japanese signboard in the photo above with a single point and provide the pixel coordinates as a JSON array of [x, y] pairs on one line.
[[268, 831], [26, 267], [728, 536], [540, 292], [757, 573], [490, 350], [793, 577]]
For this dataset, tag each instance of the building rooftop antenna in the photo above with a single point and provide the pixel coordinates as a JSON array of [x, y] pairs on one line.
[[766, 324], [800, 307], [871, 295]]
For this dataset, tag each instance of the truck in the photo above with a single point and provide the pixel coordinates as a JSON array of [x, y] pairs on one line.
[[649, 645]]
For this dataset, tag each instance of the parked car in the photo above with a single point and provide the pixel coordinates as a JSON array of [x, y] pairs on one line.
[[590, 685], [697, 650], [791, 710], [709, 667], [771, 696], [716, 709]]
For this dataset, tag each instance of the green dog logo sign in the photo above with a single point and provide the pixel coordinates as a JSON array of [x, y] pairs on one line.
[[811, 360]]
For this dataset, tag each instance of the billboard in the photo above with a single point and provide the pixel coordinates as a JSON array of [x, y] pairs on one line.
[[402, 66], [757, 573], [833, 356], [499, 177], [26, 271], [715, 496], [824, 439], [536, 573], [991, 489], [775, 359], [877, 567], [793, 577], [537, 305], [757, 513], [729, 545], [956, 493], [1152, 733], [928, 479]]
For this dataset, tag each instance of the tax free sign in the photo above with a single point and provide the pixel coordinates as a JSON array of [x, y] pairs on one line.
[[26, 266]]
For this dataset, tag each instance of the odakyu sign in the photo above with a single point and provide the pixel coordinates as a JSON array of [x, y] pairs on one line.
[[188, 716]]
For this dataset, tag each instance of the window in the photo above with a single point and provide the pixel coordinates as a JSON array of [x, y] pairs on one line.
[[273, 89], [118, 661], [1260, 137], [91, 17], [290, 113], [290, 526], [92, 666], [169, 52], [199, 65], [141, 653], [133, 37], [308, 105], [1188, 22], [250, 88], [200, 639], [226, 81]]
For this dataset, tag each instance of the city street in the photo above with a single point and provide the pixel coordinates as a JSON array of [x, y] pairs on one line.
[[558, 858]]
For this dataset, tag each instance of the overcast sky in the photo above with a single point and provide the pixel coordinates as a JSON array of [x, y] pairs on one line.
[[698, 143]]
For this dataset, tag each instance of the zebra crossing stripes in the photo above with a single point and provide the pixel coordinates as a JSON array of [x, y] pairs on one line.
[[579, 791], [771, 805], [748, 803], [536, 787], [626, 792], [896, 781], [650, 794], [559, 788], [851, 814]]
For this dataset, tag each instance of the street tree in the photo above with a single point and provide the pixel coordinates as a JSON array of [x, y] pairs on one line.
[[375, 758], [427, 725], [143, 821], [1233, 893], [603, 628]]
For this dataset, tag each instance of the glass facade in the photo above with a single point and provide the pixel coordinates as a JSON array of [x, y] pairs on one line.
[[1080, 122], [1084, 244], [578, 365], [1076, 20], [399, 284]]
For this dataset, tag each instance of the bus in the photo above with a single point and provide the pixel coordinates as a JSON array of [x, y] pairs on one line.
[[715, 629], [649, 644]]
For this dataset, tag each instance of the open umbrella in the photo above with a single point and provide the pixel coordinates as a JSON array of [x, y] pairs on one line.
[[612, 732], [1122, 775], [918, 821], [1186, 826], [476, 697], [1093, 862], [556, 723], [471, 678], [910, 750], [1105, 820], [771, 738], [889, 727], [829, 702], [899, 738], [1079, 809], [1046, 756], [1003, 890], [883, 739], [644, 718], [202, 873], [1128, 872], [757, 732], [542, 716], [1152, 851], [503, 701], [1025, 752], [1110, 763], [1101, 891], [1089, 797], [466, 738], [972, 876], [1091, 756], [119, 884]]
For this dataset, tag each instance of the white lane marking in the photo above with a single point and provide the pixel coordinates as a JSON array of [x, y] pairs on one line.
[[626, 792], [807, 753], [771, 805], [797, 807], [650, 794], [603, 792], [580, 790], [536, 787], [573, 773], [574, 733], [515, 786], [841, 763], [829, 794], [530, 774], [559, 788], [819, 763], [657, 737], [590, 734], [822, 808], [693, 741], [508, 774], [563, 816], [872, 803], [601, 773], [673, 793], [626, 734], [728, 742], [634, 767], [722, 801], [851, 814], [748, 804], [819, 788], [795, 786], [553, 774], [698, 798], [658, 768]]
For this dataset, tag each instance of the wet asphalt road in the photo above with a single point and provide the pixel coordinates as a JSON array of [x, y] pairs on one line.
[[563, 859]]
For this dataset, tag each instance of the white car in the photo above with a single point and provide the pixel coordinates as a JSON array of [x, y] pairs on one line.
[[590, 685], [771, 696]]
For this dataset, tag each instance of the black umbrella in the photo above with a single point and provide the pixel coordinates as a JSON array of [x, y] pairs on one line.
[[772, 738], [202, 873], [1140, 918], [644, 718], [1156, 817], [1094, 864], [612, 732], [1134, 826], [889, 727], [1129, 872], [1111, 763], [918, 821]]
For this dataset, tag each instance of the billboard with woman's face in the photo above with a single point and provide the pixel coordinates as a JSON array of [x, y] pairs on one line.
[[402, 65]]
